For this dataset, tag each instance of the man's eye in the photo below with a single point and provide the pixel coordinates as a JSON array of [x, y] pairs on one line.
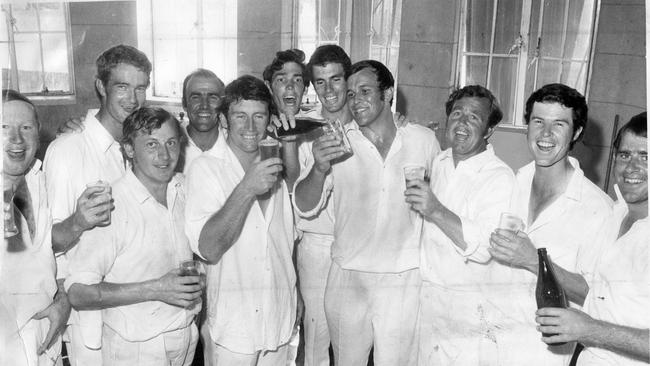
[[172, 143], [351, 94], [151, 144], [623, 156]]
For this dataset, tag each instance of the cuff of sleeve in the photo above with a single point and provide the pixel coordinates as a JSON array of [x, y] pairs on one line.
[[319, 206], [85, 278], [473, 239]]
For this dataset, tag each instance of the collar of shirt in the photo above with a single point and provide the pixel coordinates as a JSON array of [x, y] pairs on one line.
[[475, 163], [98, 133], [142, 194], [573, 189], [223, 132]]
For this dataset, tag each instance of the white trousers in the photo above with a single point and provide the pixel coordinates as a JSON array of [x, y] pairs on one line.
[[19, 347], [174, 348], [78, 353], [379, 310], [216, 355], [314, 263]]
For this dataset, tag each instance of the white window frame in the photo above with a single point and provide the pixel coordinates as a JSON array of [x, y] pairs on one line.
[[40, 98], [524, 50], [146, 43]]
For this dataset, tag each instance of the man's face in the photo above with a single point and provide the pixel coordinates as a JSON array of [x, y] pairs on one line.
[[467, 129], [330, 85], [550, 133], [124, 92], [366, 101], [247, 121], [20, 137], [287, 86], [631, 168], [155, 156], [204, 96]]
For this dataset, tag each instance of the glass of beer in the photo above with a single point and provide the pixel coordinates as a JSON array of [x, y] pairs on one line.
[[511, 222], [193, 268], [335, 128], [106, 193], [269, 148], [412, 172], [10, 228]]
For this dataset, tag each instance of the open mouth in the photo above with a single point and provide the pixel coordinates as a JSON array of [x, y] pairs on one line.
[[16, 154], [545, 146], [331, 99], [633, 180], [289, 100]]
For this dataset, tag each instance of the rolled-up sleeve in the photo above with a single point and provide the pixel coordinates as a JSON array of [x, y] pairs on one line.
[[328, 185], [485, 208]]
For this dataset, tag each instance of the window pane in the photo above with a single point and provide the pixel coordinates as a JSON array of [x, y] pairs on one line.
[[579, 29], [552, 26], [25, 17], [224, 62], [549, 72], [55, 62], [507, 25], [476, 70], [329, 21], [170, 70], [52, 17], [4, 37], [28, 56], [220, 40], [503, 84], [575, 74], [479, 25], [307, 25]]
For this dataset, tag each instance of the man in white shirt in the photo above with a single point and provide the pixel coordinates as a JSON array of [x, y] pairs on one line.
[[470, 188], [563, 212], [614, 325], [328, 70], [202, 96], [371, 299], [33, 305], [130, 269], [239, 218], [74, 160]]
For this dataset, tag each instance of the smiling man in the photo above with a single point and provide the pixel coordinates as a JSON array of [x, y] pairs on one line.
[[75, 160], [202, 96], [130, 269], [239, 219], [470, 188], [563, 211], [614, 324], [371, 297]]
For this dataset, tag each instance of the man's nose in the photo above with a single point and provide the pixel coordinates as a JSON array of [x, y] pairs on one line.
[[15, 137], [163, 153]]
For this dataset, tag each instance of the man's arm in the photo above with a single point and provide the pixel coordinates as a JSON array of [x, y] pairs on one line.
[[222, 229], [569, 325], [516, 249], [308, 191], [172, 288]]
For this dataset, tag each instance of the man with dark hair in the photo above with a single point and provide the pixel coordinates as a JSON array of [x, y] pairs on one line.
[[239, 218], [328, 70], [76, 160], [563, 212], [371, 298], [470, 188], [203, 93], [614, 325], [34, 308], [130, 268]]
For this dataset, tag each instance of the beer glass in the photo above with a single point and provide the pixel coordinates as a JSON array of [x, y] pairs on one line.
[[335, 128], [106, 192]]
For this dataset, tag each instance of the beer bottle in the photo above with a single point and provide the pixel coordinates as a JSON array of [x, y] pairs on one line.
[[548, 292]]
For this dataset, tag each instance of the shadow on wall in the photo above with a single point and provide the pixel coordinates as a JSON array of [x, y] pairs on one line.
[[593, 152]]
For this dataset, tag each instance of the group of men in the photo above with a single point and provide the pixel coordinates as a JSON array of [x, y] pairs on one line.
[[416, 271]]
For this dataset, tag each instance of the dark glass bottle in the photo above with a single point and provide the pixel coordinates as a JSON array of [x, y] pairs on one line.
[[548, 292], [303, 125]]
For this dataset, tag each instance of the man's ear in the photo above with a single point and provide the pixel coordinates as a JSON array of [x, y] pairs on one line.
[[128, 150], [99, 85], [489, 132], [577, 134], [222, 121], [268, 85], [388, 95]]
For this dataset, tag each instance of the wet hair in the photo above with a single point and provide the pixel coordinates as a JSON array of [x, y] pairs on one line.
[[9, 95], [566, 96], [477, 91], [329, 54], [281, 58], [121, 54], [638, 126], [198, 73], [144, 120], [384, 76], [247, 87]]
